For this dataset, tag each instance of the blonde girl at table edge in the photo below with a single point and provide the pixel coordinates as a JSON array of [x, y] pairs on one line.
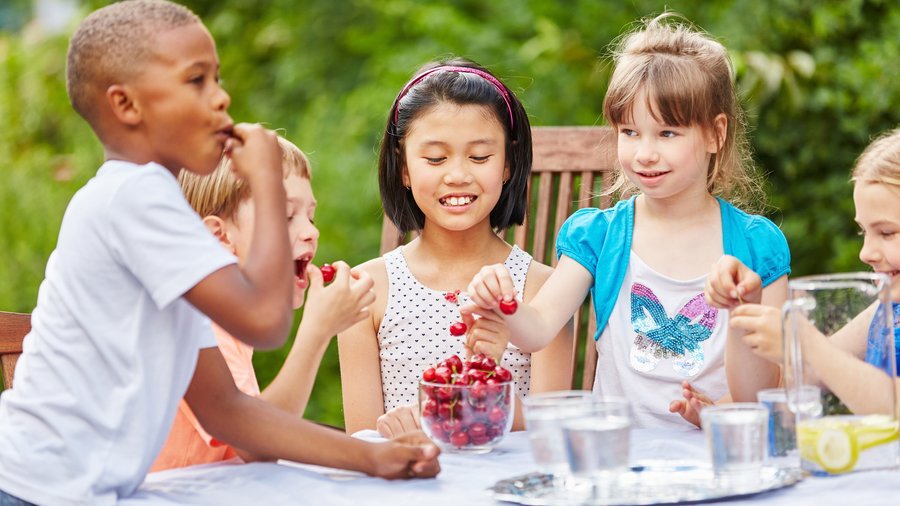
[[454, 165], [844, 362], [682, 150]]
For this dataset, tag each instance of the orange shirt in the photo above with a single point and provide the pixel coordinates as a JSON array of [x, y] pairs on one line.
[[188, 444]]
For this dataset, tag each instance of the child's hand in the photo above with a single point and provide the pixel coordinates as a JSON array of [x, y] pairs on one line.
[[332, 309], [398, 421], [487, 335], [491, 285], [694, 401], [731, 283], [411, 455], [762, 325], [254, 150]]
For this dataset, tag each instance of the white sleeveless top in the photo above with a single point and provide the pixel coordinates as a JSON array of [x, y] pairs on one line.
[[414, 333]]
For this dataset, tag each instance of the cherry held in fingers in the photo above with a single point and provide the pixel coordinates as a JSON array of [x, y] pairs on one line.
[[458, 329], [327, 273], [509, 306]]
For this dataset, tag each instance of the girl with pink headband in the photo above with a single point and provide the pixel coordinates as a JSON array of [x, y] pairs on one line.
[[454, 166]]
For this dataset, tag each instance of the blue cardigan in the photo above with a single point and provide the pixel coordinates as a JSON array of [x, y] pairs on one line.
[[600, 240]]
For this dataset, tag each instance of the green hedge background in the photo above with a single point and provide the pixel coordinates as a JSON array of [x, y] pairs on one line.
[[819, 79]]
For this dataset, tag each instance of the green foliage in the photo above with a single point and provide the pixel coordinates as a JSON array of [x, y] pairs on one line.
[[819, 81]]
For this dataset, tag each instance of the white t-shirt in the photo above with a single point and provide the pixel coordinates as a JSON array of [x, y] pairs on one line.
[[113, 344], [660, 333]]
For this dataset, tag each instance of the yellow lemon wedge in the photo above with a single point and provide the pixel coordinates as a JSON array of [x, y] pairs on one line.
[[875, 430], [836, 450]]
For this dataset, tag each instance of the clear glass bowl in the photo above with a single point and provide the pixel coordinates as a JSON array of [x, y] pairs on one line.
[[464, 418]]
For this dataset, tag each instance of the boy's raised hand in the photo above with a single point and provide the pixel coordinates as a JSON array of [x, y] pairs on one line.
[[731, 283], [411, 455], [492, 284], [344, 302], [254, 150]]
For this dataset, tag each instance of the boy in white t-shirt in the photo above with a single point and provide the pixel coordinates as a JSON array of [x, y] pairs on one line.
[[120, 314]]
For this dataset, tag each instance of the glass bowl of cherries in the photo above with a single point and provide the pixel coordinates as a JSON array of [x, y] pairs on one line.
[[466, 407]]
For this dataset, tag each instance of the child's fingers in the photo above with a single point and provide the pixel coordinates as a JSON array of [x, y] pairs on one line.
[[677, 406], [314, 275]]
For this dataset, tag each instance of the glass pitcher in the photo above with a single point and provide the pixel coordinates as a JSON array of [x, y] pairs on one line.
[[831, 438]]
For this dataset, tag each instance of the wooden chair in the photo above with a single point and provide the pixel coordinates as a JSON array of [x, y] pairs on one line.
[[13, 328], [572, 167]]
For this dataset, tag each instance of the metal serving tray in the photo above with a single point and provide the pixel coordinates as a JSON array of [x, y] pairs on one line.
[[650, 482]]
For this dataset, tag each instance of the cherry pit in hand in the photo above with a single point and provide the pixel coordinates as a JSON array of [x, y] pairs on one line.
[[466, 406]]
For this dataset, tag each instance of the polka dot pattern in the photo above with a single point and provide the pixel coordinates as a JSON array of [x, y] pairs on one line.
[[414, 331]]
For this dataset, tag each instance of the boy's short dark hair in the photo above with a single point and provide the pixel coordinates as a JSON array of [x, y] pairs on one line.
[[112, 43], [456, 88]]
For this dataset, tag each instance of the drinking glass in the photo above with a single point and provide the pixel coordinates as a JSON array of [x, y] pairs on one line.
[[782, 438], [736, 435], [831, 438], [597, 442], [544, 416]]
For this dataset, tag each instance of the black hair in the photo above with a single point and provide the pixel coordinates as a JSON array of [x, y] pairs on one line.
[[463, 89]]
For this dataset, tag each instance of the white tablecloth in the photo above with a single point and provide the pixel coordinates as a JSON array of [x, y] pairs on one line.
[[464, 480]]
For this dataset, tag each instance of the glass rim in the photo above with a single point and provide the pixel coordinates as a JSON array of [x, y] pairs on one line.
[[734, 406], [837, 280], [462, 385]]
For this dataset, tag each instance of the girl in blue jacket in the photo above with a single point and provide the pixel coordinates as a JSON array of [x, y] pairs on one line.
[[684, 162]]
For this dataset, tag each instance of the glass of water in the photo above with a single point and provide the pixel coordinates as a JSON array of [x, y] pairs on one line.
[[597, 443], [737, 437], [544, 416]]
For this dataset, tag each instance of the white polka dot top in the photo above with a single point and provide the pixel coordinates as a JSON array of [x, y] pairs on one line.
[[414, 332]]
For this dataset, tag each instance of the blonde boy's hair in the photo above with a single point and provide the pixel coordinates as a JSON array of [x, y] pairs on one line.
[[688, 79], [220, 192], [880, 161], [114, 43]]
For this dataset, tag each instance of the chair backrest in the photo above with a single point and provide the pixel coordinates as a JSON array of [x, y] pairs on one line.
[[572, 167], [13, 328]]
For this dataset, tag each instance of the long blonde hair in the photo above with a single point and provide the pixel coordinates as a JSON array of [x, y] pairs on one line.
[[220, 192], [880, 161], [688, 79]]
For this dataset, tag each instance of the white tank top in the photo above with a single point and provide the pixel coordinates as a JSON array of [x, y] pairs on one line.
[[414, 333]]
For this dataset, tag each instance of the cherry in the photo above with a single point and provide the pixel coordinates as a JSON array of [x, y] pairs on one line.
[[428, 374], [477, 429], [458, 329], [497, 415], [509, 306], [459, 438], [502, 374], [328, 272], [488, 364], [454, 362]]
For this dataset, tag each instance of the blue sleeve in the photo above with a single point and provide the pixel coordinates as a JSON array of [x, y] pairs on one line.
[[770, 256], [581, 238]]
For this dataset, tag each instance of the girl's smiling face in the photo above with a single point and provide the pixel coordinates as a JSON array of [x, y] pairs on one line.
[[455, 164], [878, 215], [664, 160]]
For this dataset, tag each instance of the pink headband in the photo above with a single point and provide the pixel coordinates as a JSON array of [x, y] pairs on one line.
[[463, 70]]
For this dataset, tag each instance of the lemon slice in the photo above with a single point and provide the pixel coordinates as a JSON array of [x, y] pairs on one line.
[[874, 431], [836, 450]]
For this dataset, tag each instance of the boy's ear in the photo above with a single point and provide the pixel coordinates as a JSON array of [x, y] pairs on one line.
[[717, 136], [121, 102], [216, 227]]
